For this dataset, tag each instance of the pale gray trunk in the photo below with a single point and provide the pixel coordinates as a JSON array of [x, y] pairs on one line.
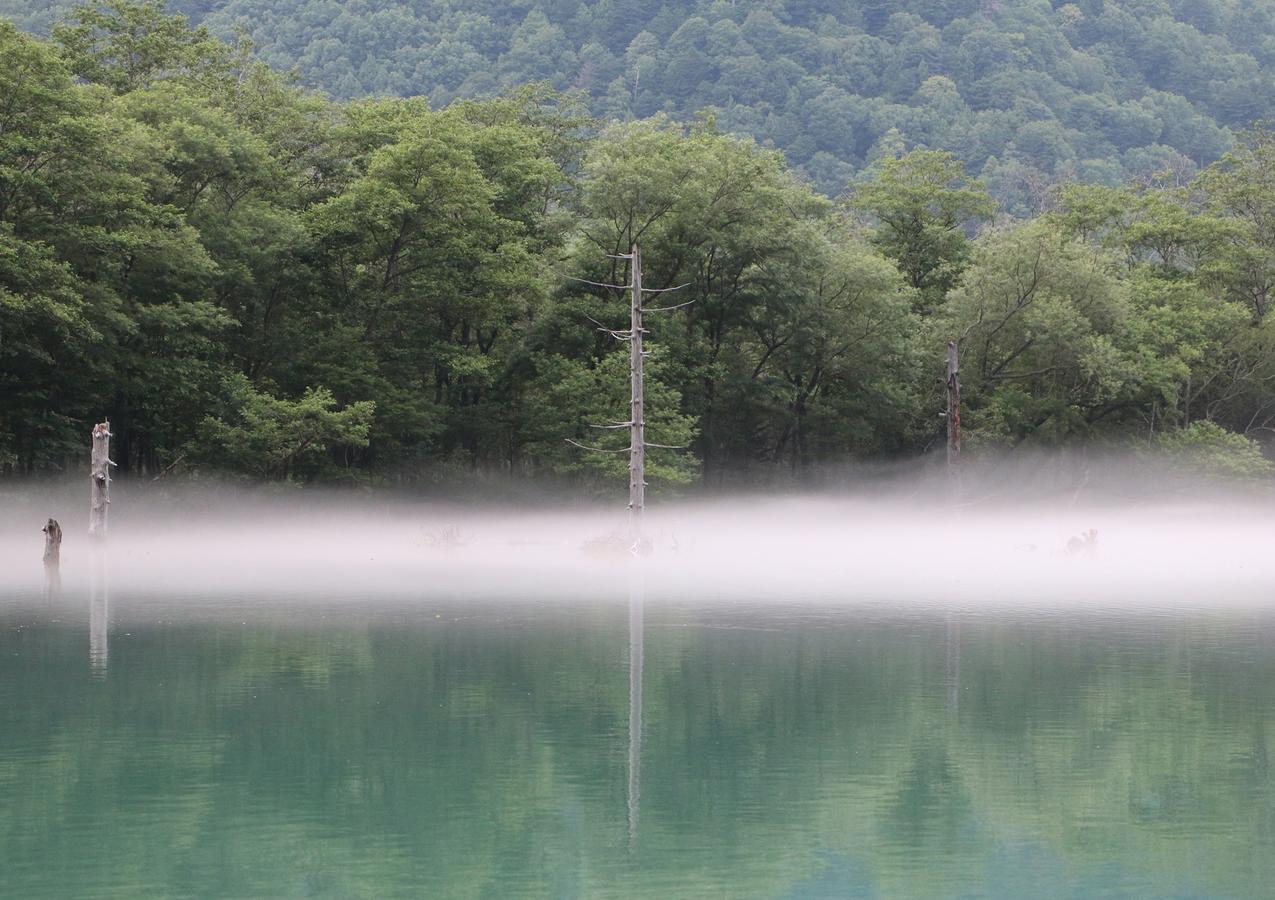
[[52, 543], [637, 412], [52, 559], [100, 480], [953, 404]]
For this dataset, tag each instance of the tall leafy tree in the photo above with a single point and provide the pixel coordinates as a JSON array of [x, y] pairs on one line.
[[922, 206]]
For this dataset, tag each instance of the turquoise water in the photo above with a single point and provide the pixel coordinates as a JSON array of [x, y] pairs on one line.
[[368, 747]]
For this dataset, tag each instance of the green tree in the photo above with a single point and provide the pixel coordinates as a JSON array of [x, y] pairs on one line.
[[273, 437], [921, 206], [1211, 451], [1039, 318], [1241, 186], [126, 44], [568, 397]]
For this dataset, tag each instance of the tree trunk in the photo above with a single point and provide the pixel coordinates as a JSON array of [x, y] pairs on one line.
[[953, 404], [52, 559], [52, 543], [637, 412], [100, 480]]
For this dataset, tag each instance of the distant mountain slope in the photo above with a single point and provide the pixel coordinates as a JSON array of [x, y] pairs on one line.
[[1024, 92]]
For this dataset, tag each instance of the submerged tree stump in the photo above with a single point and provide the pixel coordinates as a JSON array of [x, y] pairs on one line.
[[100, 478], [52, 559], [52, 543]]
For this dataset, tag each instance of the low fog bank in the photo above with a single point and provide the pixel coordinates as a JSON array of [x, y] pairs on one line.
[[1080, 536]]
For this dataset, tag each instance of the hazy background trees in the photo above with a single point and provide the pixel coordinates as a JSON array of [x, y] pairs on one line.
[[1023, 94]]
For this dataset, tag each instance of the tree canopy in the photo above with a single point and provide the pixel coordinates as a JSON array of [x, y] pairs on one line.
[[248, 276], [1024, 94]]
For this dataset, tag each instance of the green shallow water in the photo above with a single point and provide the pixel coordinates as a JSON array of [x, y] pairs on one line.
[[276, 747]]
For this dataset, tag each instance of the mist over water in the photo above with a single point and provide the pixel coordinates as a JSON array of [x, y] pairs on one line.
[[998, 538], [1020, 683]]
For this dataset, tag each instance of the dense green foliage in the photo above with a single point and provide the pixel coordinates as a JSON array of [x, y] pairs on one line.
[[1025, 94], [244, 275]]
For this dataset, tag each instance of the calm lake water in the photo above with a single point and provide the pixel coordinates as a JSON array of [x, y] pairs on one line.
[[361, 747]]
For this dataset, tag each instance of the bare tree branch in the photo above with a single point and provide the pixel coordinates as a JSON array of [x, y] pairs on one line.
[[666, 290], [617, 287], [595, 449], [667, 308]]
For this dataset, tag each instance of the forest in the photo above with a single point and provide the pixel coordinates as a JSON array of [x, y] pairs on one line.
[[1025, 94], [249, 276]]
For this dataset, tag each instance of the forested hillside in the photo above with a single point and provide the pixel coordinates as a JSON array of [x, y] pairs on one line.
[[247, 276], [1025, 93]]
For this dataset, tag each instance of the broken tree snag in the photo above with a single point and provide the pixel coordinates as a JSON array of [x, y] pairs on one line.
[[637, 412], [953, 404], [100, 480], [52, 543], [52, 559]]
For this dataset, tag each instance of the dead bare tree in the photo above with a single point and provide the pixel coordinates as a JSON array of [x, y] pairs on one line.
[[637, 402], [100, 478], [953, 404], [636, 423]]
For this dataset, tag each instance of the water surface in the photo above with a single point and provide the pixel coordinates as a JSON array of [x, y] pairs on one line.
[[362, 746]]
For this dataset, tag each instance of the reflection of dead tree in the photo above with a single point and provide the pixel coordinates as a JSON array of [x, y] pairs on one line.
[[99, 616], [636, 423], [953, 646], [637, 599]]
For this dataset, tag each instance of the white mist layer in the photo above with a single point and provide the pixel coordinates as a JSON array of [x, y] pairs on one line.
[[841, 551]]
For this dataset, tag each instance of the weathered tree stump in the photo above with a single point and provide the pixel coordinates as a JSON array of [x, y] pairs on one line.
[[52, 543], [100, 480], [52, 559]]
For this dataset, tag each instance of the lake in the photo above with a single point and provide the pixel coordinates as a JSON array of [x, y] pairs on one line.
[[243, 744]]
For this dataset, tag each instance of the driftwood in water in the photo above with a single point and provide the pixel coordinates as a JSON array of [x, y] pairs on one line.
[[52, 543], [100, 478]]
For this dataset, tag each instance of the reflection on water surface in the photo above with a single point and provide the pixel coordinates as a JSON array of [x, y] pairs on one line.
[[257, 746]]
